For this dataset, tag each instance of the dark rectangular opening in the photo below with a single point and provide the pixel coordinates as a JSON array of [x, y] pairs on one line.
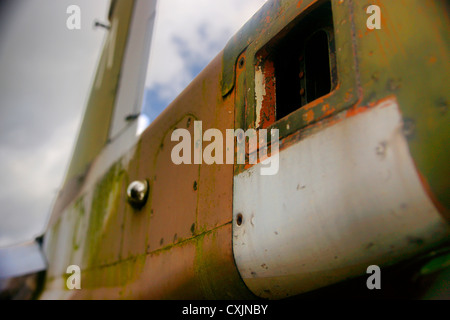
[[317, 66], [304, 64]]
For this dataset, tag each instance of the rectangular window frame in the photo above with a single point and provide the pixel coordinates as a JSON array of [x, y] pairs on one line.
[[253, 78]]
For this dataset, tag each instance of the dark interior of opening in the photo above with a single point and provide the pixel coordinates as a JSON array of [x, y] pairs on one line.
[[317, 65], [303, 71]]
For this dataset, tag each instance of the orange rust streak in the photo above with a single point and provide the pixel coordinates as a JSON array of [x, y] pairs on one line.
[[328, 122], [355, 111], [269, 103], [327, 110], [314, 103], [309, 116]]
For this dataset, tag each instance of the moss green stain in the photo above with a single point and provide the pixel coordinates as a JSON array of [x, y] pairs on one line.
[[80, 214], [118, 274], [65, 277], [122, 274], [53, 243], [201, 266], [104, 203]]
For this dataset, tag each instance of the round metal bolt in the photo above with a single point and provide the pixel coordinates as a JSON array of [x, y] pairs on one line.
[[137, 193]]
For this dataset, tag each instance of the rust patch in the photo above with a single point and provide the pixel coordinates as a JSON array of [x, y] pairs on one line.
[[327, 110], [432, 60], [269, 99], [353, 111], [309, 116]]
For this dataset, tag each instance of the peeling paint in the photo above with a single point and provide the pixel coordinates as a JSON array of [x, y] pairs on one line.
[[260, 92]]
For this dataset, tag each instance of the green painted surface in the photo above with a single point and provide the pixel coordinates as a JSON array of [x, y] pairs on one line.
[[409, 58]]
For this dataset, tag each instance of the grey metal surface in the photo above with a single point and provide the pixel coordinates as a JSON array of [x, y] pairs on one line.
[[20, 260]]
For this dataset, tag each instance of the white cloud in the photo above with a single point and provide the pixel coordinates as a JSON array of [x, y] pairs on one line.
[[189, 34], [143, 122], [31, 178], [45, 75]]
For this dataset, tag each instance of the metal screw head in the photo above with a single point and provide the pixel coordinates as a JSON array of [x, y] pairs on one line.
[[137, 193]]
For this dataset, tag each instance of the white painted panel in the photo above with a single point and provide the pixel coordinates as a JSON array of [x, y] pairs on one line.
[[132, 79], [344, 198]]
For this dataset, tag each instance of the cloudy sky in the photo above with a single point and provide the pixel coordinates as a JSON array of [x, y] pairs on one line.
[[46, 71], [187, 35]]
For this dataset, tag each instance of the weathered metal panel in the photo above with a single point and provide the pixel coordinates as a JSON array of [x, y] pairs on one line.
[[345, 197], [276, 23], [409, 57], [179, 244]]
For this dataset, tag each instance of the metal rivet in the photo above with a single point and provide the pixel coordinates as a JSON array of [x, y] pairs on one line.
[[137, 193], [239, 219]]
